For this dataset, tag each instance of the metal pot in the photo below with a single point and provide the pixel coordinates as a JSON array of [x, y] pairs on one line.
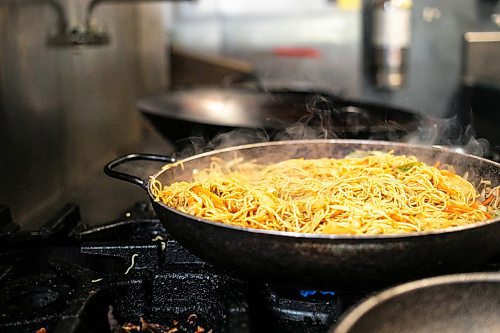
[[318, 260], [451, 303]]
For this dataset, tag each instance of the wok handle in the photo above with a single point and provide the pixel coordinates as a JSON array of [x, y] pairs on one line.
[[110, 168]]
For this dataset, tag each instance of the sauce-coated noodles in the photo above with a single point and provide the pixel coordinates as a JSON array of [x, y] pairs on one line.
[[378, 193]]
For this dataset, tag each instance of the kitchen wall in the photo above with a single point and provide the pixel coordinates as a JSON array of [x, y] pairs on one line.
[[66, 110], [251, 30]]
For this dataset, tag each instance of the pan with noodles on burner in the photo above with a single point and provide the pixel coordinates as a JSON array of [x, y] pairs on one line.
[[329, 213]]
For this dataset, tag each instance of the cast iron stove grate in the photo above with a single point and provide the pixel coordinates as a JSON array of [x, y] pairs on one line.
[[69, 278]]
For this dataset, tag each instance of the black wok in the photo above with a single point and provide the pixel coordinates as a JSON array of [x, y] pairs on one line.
[[326, 260], [208, 112], [451, 303]]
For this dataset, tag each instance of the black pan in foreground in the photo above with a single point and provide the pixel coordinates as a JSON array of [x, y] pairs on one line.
[[445, 304], [333, 261]]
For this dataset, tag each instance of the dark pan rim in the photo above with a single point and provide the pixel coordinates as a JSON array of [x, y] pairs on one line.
[[149, 106], [358, 311], [325, 236]]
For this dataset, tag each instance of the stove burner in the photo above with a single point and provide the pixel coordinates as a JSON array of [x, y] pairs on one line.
[[7, 225], [66, 277], [34, 292], [286, 310]]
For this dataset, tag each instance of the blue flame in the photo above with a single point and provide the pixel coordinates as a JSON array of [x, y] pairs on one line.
[[307, 293]]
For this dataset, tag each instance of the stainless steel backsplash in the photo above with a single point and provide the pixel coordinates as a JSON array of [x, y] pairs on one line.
[[64, 111]]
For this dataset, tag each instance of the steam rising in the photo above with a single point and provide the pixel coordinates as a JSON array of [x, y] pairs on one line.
[[323, 119], [197, 145], [316, 124], [449, 132]]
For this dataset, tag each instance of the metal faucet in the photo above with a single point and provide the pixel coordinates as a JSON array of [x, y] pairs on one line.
[[75, 26]]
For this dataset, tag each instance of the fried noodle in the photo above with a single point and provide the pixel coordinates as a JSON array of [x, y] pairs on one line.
[[379, 193]]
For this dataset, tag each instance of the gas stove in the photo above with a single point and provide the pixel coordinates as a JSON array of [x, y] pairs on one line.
[[129, 275]]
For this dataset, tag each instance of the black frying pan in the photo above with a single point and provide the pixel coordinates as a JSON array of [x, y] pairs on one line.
[[445, 304], [207, 112], [325, 260]]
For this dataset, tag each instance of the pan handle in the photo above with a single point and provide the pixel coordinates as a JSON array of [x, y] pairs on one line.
[[109, 169]]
